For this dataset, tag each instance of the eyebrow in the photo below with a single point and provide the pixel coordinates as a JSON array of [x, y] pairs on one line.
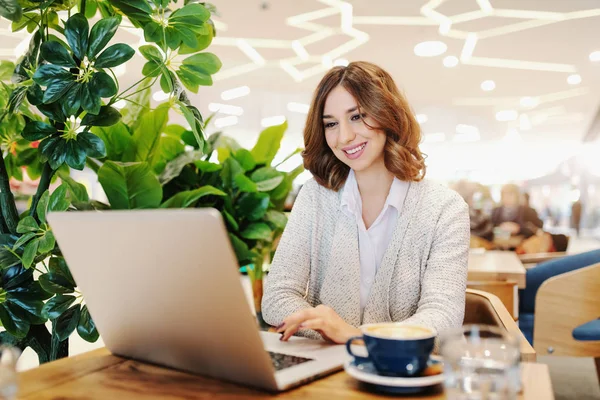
[[347, 112]]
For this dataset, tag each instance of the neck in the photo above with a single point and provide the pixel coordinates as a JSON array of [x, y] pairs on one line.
[[375, 180]]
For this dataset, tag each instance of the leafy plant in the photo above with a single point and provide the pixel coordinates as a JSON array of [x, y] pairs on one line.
[[58, 112]]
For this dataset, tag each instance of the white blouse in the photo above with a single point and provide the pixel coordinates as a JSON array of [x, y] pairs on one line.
[[374, 241]]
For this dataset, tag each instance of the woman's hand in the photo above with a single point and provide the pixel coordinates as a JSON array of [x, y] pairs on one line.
[[321, 319], [511, 227]]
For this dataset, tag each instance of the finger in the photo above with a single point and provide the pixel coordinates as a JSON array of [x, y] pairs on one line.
[[296, 318], [289, 332], [314, 324]]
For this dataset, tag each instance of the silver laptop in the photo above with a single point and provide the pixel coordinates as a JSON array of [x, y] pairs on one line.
[[163, 287]]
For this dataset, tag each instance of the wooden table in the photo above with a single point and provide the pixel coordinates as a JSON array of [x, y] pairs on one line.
[[100, 375], [496, 265]]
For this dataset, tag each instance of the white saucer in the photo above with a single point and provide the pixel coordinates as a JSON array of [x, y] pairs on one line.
[[366, 372]]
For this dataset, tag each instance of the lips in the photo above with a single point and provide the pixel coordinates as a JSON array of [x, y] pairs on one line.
[[353, 152]]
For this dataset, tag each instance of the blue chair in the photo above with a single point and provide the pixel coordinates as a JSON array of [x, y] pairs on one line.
[[537, 275]]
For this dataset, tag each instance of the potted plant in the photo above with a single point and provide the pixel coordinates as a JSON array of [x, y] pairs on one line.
[[56, 107]]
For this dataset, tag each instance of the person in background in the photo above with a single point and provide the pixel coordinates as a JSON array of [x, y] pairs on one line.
[[368, 240], [576, 216], [480, 223], [513, 216]]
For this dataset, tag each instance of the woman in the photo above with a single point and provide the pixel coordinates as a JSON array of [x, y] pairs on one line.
[[514, 216], [367, 240]]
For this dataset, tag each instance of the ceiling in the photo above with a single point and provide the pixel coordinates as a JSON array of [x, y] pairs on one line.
[[528, 48]]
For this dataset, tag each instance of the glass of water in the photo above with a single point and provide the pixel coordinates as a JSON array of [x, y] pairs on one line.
[[481, 363], [8, 372]]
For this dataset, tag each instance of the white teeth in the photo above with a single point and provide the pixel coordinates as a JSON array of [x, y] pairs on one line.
[[356, 149]]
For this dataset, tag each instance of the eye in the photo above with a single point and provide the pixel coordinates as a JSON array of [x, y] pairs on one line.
[[329, 125], [357, 117]]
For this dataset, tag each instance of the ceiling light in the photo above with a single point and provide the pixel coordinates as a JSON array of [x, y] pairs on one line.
[[421, 118], [434, 137], [270, 121], [524, 122], [574, 79], [251, 52], [430, 49], [235, 93], [595, 56], [341, 62], [466, 129], [226, 121], [529, 102], [507, 115], [300, 50], [450, 61], [488, 85], [161, 96], [225, 109], [120, 104], [469, 47], [445, 27], [298, 107]]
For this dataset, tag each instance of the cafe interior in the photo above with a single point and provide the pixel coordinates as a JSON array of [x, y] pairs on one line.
[[506, 94]]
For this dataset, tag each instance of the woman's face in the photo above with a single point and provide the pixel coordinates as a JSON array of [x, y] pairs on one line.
[[350, 139], [508, 198]]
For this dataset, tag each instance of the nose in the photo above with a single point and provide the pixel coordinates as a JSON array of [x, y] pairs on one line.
[[347, 135]]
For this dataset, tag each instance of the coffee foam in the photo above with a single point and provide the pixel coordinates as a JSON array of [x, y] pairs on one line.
[[399, 331]]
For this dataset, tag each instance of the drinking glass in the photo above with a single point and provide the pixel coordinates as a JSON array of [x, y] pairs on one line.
[[481, 363], [8, 372]]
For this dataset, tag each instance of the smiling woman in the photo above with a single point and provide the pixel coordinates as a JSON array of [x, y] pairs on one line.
[[368, 240]]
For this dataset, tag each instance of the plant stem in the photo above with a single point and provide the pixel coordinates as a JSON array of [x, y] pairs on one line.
[[82, 8], [7, 200], [131, 87], [47, 174]]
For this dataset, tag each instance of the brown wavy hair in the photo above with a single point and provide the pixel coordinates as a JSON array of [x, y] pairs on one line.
[[378, 96]]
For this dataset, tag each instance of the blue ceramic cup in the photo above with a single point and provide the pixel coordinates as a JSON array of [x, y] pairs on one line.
[[395, 349]]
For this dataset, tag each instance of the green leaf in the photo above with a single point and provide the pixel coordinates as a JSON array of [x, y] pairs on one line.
[[27, 224], [42, 207], [56, 283], [173, 37], [167, 81], [35, 95], [116, 138], [16, 98], [58, 201], [253, 205], [76, 156], [103, 85], [77, 191], [56, 90], [245, 159], [174, 167], [230, 220], [106, 117], [13, 325], [153, 32], [146, 137], [59, 266], [10, 9], [115, 55], [140, 104], [46, 243], [92, 144], [55, 53], [76, 32], [6, 70], [189, 198], [151, 53], [25, 20], [91, 9], [36, 130], [90, 101], [257, 231], [67, 322], [29, 253], [130, 185], [194, 118], [57, 305], [52, 111], [268, 143], [242, 252], [48, 74], [231, 168], [206, 166], [203, 63], [29, 60], [23, 239], [269, 184], [86, 327], [152, 69], [196, 11], [26, 310], [71, 101], [136, 10], [102, 32], [277, 219], [245, 184]]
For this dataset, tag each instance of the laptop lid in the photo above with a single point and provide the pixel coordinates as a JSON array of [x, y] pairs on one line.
[[162, 286]]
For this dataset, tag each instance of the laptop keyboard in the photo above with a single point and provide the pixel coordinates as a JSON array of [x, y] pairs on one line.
[[282, 361]]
